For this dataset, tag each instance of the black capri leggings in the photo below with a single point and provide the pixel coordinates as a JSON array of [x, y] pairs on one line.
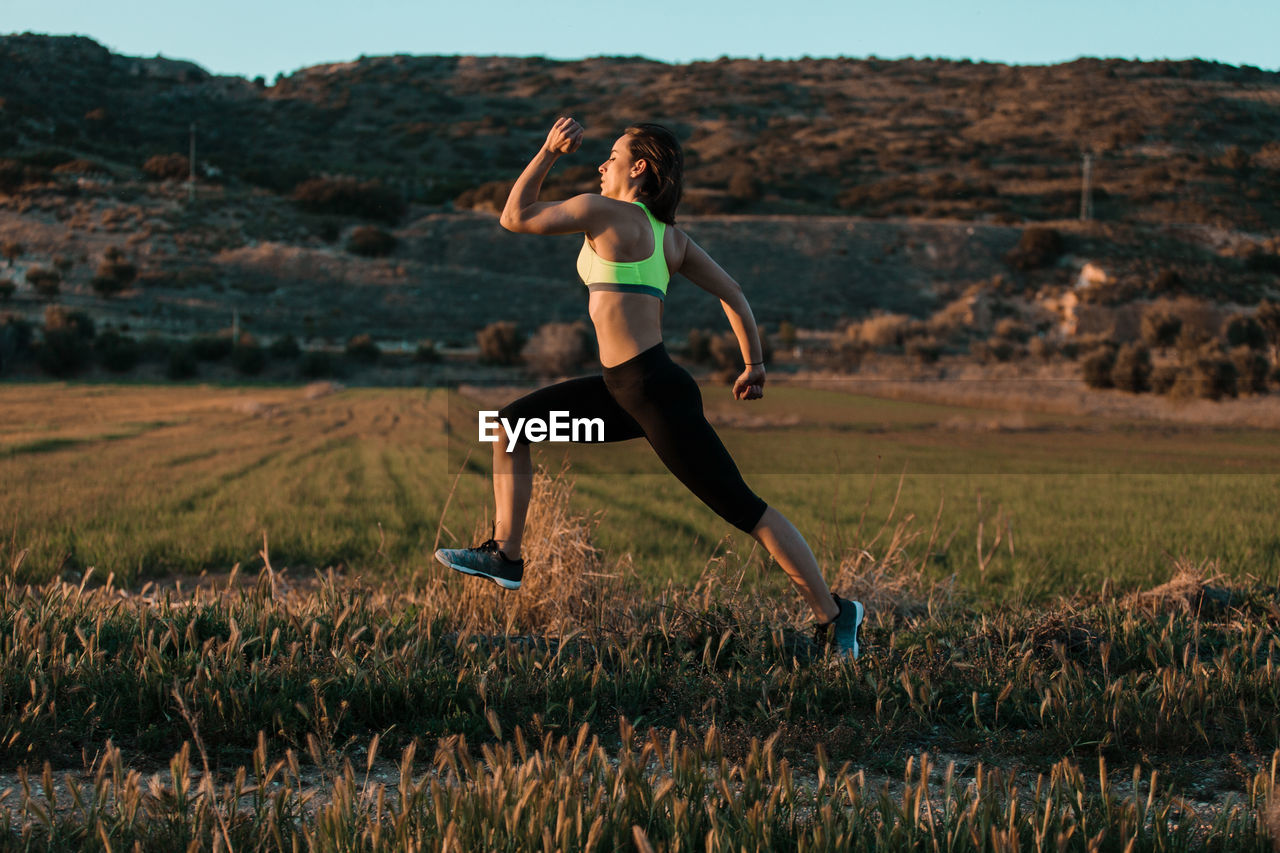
[[651, 396]]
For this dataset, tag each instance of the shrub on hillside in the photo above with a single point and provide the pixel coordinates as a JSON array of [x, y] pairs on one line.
[[284, 348], [426, 353], [1244, 331], [1189, 343], [1160, 328], [182, 362], [726, 354], [65, 347], [1041, 349], [370, 242], [1097, 366], [210, 347], [500, 343], [1211, 375], [886, 331], [489, 198], [1132, 369], [1268, 316], [62, 352], [79, 166], [558, 348], [361, 348], [12, 176], [698, 346], [16, 335], [847, 354], [1013, 329], [46, 282], [317, 365], [114, 274], [993, 350], [116, 352], [1037, 247], [787, 334], [154, 348], [743, 186], [57, 318], [248, 357], [1165, 377], [1260, 260], [1252, 368], [167, 167], [12, 250], [350, 197], [924, 350]]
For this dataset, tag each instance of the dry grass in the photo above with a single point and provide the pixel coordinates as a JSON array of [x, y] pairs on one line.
[[1195, 588], [566, 589]]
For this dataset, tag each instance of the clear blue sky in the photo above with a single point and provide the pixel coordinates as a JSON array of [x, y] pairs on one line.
[[266, 37]]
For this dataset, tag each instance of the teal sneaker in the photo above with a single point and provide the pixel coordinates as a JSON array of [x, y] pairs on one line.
[[484, 561], [841, 633]]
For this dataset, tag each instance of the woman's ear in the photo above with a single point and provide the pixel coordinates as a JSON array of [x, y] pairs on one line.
[[639, 167]]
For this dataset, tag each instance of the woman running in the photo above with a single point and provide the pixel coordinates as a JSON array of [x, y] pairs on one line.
[[629, 253]]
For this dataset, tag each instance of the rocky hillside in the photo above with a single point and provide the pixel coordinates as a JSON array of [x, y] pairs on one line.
[[831, 188], [1173, 141]]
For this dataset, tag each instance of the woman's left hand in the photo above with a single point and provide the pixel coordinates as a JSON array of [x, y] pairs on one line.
[[750, 385]]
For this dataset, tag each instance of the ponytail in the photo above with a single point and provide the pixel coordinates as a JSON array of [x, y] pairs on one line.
[[664, 175]]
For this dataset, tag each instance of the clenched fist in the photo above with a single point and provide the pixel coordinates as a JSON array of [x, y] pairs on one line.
[[565, 136]]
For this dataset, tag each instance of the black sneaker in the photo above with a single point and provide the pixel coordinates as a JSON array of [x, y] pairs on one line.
[[484, 561], [842, 632]]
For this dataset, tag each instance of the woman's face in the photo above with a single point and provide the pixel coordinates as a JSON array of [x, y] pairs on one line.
[[619, 172]]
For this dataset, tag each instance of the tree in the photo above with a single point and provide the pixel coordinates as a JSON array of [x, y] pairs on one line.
[[1037, 247], [167, 167], [1132, 369], [46, 282], [114, 273], [743, 186], [370, 242], [1246, 331], [1268, 316], [12, 250], [500, 343], [1160, 329], [558, 348]]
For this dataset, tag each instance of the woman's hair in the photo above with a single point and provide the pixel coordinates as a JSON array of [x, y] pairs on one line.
[[664, 177]]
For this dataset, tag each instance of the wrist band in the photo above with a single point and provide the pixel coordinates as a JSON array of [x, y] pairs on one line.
[[754, 363]]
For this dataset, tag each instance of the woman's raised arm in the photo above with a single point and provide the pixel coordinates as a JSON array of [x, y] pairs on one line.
[[524, 214]]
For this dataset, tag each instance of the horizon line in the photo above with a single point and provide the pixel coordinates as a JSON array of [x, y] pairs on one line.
[[963, 60]]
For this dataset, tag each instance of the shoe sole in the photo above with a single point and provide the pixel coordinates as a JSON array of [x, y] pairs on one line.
[[502, 582]]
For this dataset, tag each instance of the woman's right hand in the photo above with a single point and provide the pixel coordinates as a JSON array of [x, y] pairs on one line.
[[565, 136]]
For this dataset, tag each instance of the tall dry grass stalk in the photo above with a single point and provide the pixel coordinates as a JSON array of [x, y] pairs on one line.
[[565, 588]]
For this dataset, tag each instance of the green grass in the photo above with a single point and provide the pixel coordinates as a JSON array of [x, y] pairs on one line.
[[145, 482]]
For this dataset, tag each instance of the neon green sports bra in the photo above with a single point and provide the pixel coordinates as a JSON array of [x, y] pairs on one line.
[[648, 276]]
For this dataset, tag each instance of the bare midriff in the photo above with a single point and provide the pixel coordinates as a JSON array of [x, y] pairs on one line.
[[626, 324]]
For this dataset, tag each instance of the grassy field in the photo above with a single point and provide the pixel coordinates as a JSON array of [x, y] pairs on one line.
[[580, 715], [147, 482], [651, 686]]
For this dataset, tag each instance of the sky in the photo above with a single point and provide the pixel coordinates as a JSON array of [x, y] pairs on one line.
[[266, 38]]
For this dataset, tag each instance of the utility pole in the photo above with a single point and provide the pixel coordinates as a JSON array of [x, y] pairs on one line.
[[1086, 189], [191, 167]]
